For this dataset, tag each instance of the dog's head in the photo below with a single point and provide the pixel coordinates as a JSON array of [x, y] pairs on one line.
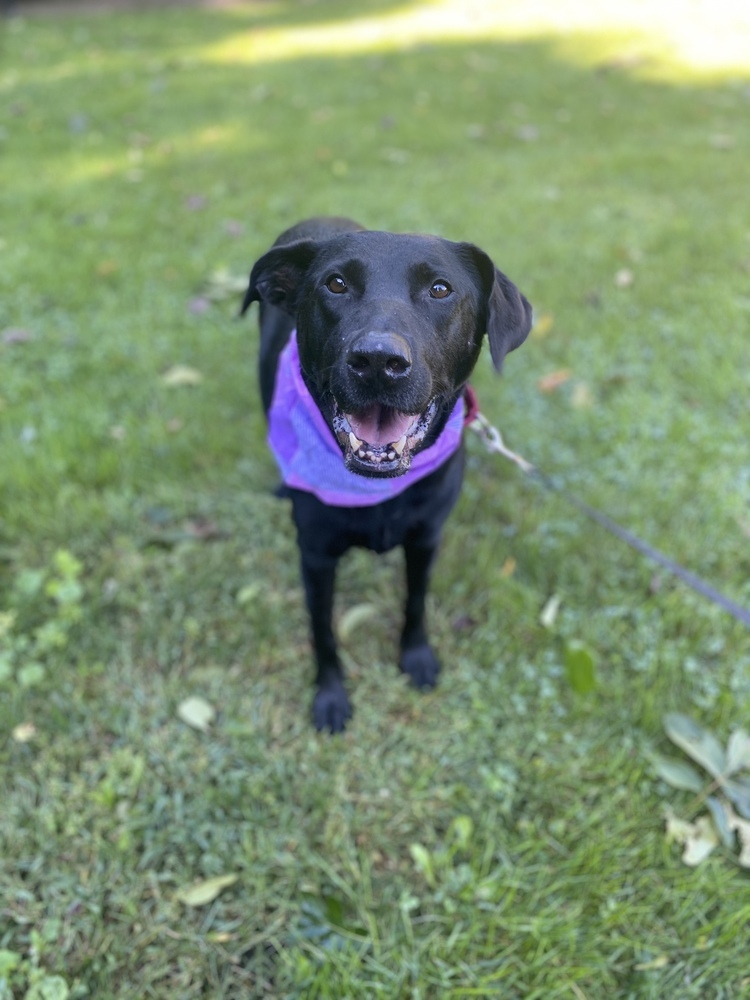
[[389, 328]]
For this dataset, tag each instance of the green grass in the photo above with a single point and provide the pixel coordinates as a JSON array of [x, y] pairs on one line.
[[501, 836]]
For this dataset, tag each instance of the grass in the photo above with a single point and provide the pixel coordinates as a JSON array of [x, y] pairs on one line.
[[504, 835]]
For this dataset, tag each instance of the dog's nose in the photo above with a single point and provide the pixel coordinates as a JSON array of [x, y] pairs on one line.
[[379, 356]]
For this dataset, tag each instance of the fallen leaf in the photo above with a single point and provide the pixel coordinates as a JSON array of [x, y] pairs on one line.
[[196, 712], [248, 594], [179, 375], [548, 383], [701, 844], [583, 398], [354, 617], [508, 568], [24, 732], [678, 830], [624, 278], [543, 323], [204, 892], [699, 839], [548, 617], [223, 285]]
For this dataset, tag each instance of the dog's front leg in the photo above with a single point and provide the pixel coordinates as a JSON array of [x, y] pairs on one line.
[[331, 708], [417, 657]]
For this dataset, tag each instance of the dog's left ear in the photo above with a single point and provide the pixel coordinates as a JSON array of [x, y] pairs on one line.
[[508, 312], [276, 278]]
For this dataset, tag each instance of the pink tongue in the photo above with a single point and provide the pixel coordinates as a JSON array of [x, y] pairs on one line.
[[380, 426]]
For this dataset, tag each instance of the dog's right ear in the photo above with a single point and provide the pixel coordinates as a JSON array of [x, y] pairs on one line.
[[276, 278]]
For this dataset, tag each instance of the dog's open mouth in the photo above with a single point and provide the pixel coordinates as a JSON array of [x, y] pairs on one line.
[[380, 441]]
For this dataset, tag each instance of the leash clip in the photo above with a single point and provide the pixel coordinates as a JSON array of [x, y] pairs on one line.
[[492, 440]]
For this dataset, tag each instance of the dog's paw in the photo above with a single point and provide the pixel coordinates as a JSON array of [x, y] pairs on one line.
[[421, 665], [331, 708]]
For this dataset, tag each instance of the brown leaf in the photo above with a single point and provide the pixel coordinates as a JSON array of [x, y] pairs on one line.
[[552, 381]]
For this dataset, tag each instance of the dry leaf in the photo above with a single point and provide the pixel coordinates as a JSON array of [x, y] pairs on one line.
[[548, 383], [542, 325], [548, 616], [701, 843], [624, 278], [24, 732], [204, 892], [699, 838], [179, 375], [583, 398], [196, 712], [508, 568], [353, 617]]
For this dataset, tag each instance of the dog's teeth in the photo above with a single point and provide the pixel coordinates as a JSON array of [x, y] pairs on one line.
[[354, 441], [361, 453], [398, 446], [391, 455]]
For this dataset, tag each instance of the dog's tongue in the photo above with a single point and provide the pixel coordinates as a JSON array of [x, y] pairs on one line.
[[380, 425]]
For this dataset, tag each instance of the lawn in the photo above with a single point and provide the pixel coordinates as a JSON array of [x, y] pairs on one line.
[[170, 823]]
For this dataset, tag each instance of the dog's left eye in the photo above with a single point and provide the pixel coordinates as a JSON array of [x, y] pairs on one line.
[[440, 290], [336, 284]]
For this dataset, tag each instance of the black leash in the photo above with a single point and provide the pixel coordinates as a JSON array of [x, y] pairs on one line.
[[493, 441]]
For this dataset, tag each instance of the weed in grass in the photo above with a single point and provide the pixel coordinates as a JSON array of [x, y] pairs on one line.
[[502, 836]]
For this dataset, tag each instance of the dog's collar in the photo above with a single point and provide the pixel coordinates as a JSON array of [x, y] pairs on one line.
[[310, 458]]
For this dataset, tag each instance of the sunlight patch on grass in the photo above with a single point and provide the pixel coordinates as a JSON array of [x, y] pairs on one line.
[[132, 161], [657, 38]]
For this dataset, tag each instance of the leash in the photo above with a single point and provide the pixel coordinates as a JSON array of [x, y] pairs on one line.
[[493, 442]]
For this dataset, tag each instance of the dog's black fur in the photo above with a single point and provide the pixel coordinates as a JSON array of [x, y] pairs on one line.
[[387, 326]]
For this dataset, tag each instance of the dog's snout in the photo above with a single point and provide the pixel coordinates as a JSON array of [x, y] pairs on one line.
[[379, 356]]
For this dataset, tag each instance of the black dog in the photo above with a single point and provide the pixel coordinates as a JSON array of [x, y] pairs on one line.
[[365, 405]]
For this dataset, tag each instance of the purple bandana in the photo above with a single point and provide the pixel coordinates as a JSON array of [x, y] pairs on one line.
[[310, 458]]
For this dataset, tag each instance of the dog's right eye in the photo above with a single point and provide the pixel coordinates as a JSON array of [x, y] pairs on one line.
[[336, 284]]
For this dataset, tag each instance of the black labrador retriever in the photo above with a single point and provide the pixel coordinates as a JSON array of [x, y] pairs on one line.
[[367, 342]]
